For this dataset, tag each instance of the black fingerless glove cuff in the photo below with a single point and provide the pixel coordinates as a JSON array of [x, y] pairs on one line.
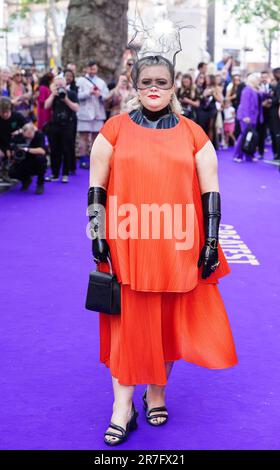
[[96, 195], [211, 204]]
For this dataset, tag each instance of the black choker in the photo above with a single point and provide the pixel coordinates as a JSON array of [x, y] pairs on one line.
[[155, 115]]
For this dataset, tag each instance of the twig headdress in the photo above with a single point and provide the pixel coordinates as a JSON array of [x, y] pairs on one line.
[[162, 38]]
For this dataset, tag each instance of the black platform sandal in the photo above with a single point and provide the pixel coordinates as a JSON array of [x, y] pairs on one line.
[[131, 426], [150, 417]]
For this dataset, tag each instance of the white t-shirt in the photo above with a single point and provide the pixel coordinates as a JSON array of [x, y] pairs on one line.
[[229, 115]]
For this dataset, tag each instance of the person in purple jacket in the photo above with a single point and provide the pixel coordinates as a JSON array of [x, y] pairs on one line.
[[249, 111]]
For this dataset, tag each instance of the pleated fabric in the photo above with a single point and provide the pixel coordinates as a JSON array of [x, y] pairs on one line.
[[155, 167], [158, 327], [168, 311]]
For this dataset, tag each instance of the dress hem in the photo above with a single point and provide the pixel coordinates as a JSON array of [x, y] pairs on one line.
[[106, 363]]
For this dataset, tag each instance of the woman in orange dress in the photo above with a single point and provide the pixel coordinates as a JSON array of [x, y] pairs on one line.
[[155, 173]]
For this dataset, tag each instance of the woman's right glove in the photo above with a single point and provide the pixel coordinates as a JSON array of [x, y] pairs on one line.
[[97, 197]]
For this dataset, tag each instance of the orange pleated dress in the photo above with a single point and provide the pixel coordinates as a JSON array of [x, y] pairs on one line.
[[168, 312]]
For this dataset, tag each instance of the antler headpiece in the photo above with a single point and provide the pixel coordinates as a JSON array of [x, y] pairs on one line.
[[160, 38]]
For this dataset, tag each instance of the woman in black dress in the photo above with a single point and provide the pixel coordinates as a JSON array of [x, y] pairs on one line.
[[209, 94]]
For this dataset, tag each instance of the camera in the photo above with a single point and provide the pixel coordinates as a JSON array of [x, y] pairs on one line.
[[61, 93], [18, 153]]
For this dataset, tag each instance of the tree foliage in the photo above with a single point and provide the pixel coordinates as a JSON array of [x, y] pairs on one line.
[[266, 11], [266, 15], [23, 6]]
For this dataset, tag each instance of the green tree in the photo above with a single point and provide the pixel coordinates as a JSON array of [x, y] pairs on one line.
[[22, 9], [267, 14]]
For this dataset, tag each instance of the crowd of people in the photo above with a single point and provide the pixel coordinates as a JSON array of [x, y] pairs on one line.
[[62, 112], [231, 109], [53, 119]]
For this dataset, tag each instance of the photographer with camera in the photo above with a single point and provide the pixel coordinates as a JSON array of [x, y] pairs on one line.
[[64, 105], [29, 157], [11, 123]]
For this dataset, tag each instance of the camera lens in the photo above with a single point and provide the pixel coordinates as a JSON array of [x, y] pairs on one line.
[[19, 154], [61, 93]]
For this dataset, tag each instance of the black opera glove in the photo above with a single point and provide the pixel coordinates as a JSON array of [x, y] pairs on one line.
[[211, 204], [97, 197], [209, 257]]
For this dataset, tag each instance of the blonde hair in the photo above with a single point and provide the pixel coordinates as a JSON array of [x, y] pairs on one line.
[[175, 105], [28, 127], [7, 70], [252, 79], [14, 84], [59, 77]]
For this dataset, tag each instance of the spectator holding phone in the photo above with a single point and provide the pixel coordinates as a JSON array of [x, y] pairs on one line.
[[91, 116], [21, 94]]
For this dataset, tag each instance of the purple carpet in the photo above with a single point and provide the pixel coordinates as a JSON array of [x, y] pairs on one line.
[[54, 392]]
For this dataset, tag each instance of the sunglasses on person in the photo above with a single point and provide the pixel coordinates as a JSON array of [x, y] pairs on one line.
[[130, 64]]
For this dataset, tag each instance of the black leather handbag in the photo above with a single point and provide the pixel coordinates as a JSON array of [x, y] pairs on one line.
[[104, 292], [250, 140]]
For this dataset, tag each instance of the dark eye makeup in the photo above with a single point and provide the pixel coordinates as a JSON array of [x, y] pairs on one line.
[[157, 80], [147, 82]]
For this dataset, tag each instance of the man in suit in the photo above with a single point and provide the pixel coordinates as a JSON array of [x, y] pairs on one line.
[[274, 113], [267, 92]]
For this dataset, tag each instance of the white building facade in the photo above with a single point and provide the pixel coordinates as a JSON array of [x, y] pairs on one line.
[[37, 35]]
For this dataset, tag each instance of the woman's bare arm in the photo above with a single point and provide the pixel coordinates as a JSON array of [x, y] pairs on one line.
[[100, 157], [190, 101], [207, 168], [218, 95]]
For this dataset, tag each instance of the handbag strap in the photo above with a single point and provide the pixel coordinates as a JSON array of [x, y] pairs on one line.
[[109, 262], [89, 80]]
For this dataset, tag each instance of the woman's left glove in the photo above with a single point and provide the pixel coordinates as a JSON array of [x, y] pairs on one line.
[[211, 203]]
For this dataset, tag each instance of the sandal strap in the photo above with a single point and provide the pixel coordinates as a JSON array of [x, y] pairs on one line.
[[118, 428], [157, 416], [159, 408], [114, 434]]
